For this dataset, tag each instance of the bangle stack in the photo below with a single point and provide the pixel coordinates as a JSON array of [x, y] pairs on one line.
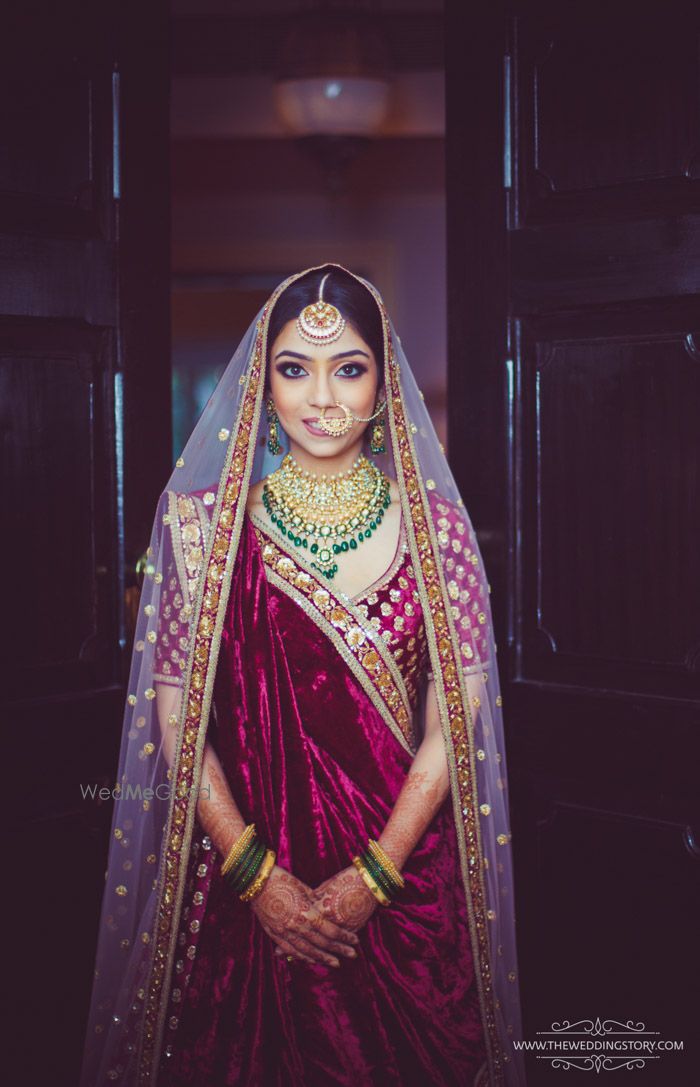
[[379, 872], [248, 864]]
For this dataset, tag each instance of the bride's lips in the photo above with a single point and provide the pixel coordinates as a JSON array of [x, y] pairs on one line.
[[315, 430]]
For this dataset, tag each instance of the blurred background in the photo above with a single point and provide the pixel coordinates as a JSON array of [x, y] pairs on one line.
[[299, 134]]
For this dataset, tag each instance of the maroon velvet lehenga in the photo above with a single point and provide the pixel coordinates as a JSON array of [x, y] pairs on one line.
[[311, 760]]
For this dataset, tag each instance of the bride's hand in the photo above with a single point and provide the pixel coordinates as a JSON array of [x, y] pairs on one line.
[[346, 899], [288, 911]]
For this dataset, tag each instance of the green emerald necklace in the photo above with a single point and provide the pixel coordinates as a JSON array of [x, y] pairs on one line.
[[327, 515]]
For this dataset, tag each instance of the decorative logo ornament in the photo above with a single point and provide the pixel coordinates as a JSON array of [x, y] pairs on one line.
[[320, 322]]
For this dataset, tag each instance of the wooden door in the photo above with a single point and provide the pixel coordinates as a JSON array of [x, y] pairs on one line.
[[573, 154], [84, 374]]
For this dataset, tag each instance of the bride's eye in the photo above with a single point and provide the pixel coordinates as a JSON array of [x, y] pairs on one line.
[[284, 367], [352, 366]]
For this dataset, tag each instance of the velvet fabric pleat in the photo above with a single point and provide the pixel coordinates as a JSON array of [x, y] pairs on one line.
[[311, 762]]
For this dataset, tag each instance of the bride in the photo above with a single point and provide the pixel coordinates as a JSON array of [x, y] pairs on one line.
[[310, 877]]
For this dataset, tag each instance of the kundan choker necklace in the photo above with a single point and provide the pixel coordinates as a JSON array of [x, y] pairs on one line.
[[327, 515]]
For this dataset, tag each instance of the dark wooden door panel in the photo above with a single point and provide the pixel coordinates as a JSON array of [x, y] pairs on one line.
[[56, 385], [573, 150], [58, 137], [614, 907], [611, 459], [47, 136], [609, 112], [604, 751], [570, 266], [84, 417]]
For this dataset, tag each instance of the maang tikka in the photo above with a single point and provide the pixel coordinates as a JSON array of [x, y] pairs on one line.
[[320, 322]]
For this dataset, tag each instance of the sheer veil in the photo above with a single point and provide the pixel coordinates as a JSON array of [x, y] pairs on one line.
[[191, 554]]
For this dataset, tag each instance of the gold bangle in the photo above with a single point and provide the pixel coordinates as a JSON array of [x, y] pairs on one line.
[[367, 877], [386, 862], [257, 885], [237, 848]]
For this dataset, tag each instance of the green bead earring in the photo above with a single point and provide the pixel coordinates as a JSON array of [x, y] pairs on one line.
[[273, 442]]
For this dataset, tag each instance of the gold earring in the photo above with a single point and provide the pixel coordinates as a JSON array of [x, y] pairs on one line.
[[273, 442], [376, 444]]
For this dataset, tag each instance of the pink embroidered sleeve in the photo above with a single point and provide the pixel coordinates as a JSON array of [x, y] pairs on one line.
[[466, 583], [173, 630], [188, 521]]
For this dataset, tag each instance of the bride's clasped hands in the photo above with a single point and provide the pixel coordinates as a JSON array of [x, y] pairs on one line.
[[314, 925]]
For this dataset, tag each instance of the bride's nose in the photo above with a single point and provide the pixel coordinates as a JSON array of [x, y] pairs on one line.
[[321, 393]]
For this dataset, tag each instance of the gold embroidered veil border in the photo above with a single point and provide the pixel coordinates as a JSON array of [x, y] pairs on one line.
[[155, 805]]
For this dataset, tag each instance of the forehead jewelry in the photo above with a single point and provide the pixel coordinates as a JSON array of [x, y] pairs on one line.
[[320, 322]]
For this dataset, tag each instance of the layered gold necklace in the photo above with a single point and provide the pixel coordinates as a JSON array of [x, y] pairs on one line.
[[327, 515]]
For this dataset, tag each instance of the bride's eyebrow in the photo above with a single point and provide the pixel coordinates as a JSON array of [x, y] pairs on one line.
[[333, 358]]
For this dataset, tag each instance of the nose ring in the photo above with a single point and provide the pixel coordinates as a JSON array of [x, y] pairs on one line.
[[336, 427]]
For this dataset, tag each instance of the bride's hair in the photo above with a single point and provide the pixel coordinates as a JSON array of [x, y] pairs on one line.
[[354, 301]]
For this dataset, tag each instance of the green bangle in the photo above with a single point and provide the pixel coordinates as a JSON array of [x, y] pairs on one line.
[[242, 862], [246, 877], [377, 872], [388, 874], [394, 887]]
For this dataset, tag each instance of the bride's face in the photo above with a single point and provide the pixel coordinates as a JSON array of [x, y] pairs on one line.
[[305, 377]]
